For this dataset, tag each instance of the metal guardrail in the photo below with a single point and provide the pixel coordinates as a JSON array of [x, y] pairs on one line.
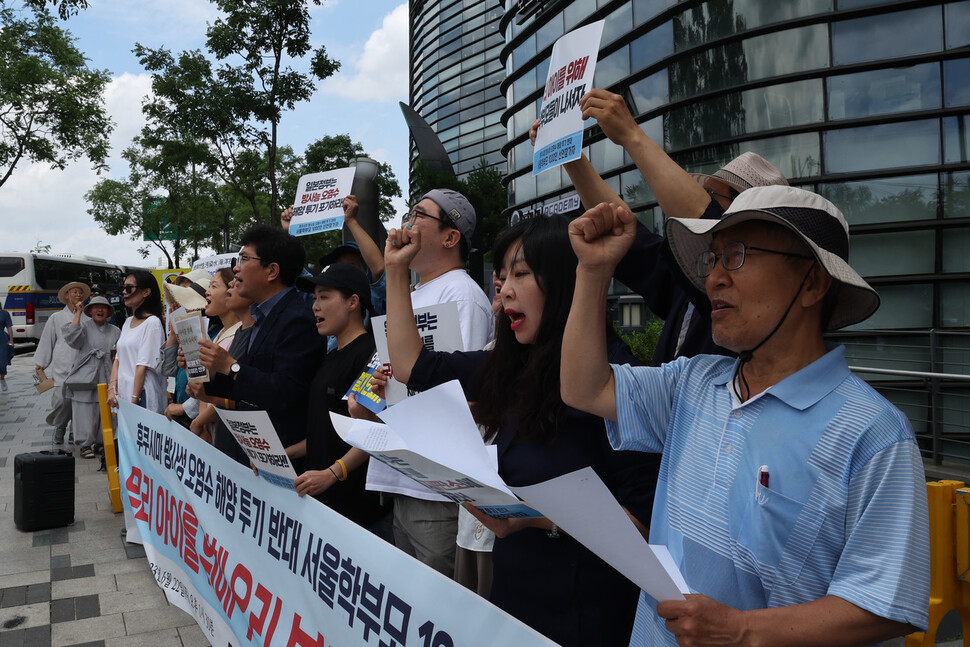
[[927, 375]]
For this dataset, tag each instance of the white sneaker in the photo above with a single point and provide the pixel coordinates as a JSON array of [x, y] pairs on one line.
[[3, 385]]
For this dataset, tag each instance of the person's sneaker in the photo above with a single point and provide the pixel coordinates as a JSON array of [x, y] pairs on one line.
[[58, 437], [3, 385]]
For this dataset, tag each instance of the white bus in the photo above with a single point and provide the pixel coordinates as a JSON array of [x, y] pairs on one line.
[[29, 284]]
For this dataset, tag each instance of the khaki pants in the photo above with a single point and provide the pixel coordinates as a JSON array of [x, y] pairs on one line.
[[426, 530]]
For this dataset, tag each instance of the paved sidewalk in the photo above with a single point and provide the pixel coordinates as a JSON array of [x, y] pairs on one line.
[[82, 584]]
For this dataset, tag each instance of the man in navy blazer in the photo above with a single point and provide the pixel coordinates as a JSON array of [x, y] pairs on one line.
[[284, 349]]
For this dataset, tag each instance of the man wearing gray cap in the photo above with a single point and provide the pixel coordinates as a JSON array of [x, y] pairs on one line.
[[425, 523], [791, 495]]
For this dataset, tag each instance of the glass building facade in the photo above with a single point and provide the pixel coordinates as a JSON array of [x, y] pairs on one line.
[[456, 78], [864, 101]]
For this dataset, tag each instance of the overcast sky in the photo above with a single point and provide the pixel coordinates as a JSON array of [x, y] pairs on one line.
[[369, 37]]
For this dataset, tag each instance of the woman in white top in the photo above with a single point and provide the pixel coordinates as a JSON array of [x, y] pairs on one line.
[[135, 376]]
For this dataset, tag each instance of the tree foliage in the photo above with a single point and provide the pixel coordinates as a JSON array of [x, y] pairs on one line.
[[51, 102], [167, 197], [235, 106], [65, 8]]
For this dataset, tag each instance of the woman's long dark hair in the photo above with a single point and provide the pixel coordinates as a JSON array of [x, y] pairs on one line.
[[521, 382], [152, 305]]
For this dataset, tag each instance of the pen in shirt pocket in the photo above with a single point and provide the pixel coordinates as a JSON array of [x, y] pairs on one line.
[[763, 476]]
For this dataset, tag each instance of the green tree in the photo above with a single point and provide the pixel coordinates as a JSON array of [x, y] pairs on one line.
[[41, 248], [236, 107], [166, 198], [123, 207], [65, 8], [51, 102]]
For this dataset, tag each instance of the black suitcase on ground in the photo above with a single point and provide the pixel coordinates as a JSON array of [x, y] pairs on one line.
[[43, 490]]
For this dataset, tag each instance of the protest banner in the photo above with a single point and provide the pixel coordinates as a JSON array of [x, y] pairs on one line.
[[212, 263], [254, 432], [319, 201], [445, 452], [571, 67], [255, 564], [189, 328], [438, 328]]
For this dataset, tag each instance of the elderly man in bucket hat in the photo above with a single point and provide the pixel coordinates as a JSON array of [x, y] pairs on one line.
[[791, 494], [56, 357]]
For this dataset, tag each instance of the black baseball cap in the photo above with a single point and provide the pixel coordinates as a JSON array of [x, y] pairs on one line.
[[350, 247], [341, 276]]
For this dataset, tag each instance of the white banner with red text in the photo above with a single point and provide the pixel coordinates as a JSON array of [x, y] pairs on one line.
[[257, 564]]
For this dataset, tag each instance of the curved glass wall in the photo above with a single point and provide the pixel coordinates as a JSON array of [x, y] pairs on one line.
[[869, 109], [456, 77]]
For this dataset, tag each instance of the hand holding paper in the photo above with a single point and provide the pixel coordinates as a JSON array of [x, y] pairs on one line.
[[582, 506]]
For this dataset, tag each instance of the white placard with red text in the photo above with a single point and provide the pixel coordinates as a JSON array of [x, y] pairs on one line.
[[256, 564], [570, 76], [319, 201], [255, 433]]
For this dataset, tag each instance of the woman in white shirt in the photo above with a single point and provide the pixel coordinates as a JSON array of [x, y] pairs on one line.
[[134, 375]]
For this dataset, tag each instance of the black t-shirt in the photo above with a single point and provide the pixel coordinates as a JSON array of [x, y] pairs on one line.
[[335, 376]]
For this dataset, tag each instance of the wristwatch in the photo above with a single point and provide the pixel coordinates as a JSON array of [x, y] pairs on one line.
[[234, 370]]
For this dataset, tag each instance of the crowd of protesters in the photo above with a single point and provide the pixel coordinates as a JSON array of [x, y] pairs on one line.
[[790, 495]]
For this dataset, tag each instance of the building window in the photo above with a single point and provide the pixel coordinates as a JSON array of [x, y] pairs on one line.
[[955, 304], [901, 306], [957, 25], [652, 47], [894, 254], [956, 140], [780, 53], [880, 92], [895, 199], [956, 242], [720, 18], [912, 143], [956, 195], [887, 36]]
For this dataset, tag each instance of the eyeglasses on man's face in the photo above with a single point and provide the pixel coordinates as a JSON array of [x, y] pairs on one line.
[[732, 257], [413, 214], [242, 258]]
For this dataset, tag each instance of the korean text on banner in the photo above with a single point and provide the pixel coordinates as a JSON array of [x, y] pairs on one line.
[[256, 564], [571, 68], [212, 263], [438, 328], [254, 432], [319, 201]]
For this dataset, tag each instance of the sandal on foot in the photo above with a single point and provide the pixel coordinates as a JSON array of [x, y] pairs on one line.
[[86, 452]]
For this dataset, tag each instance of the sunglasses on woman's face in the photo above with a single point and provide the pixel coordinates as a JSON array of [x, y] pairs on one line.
[[128, 289]]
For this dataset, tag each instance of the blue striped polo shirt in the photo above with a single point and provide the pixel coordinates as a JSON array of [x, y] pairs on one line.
[[844, 512]]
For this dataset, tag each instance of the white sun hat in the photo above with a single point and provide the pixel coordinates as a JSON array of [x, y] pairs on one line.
[[809, 216]]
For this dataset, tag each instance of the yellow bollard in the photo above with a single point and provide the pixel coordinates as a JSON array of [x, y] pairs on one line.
[[949, 508], [110, 458]]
